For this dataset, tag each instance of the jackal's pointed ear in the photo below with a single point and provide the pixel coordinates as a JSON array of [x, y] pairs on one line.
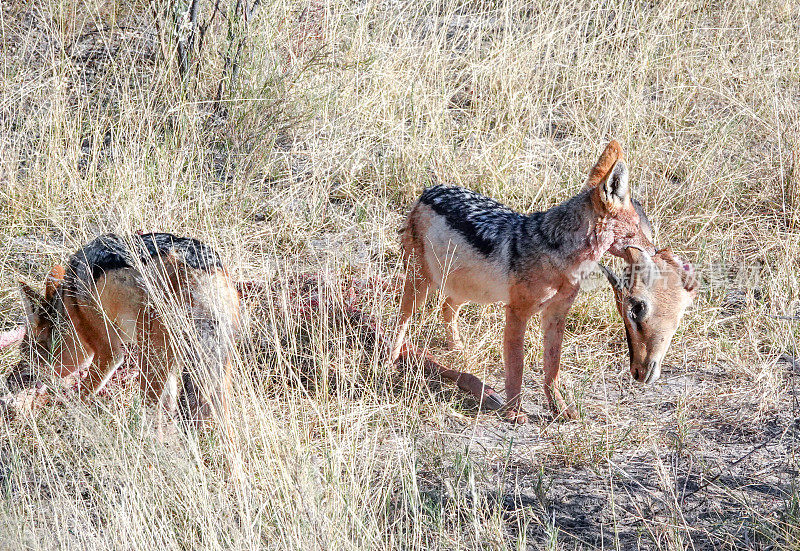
[[33, 303], [603, 166], [688, 275], [52, 281], [613, 191], [689, 278]]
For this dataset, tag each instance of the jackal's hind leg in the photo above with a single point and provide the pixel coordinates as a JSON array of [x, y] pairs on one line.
[[450, 310], [160, 386], [159, 375], [214, 390], [194, 407], [167, 403], [415, 292]]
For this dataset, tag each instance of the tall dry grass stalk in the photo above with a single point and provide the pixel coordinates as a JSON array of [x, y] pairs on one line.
[[340, 114]]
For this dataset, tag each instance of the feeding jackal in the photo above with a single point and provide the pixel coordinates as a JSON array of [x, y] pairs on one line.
[[476, 249], [166, 300]]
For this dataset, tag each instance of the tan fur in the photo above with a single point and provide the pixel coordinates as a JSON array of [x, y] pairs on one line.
[[438, 256], [52, 281], [141, 311], [667, 297], [607, 160]]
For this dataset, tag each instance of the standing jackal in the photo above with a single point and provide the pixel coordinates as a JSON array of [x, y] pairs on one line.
[[476, 249], [165, 300]]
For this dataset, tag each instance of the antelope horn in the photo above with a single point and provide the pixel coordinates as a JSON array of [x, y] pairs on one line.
[[613, 279], [12, 336], [643, 268]]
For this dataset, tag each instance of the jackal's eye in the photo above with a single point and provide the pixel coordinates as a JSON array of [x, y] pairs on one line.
[[637, 310]]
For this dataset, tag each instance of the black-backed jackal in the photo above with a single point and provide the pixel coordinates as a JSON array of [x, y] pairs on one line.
[[476, 249], [166, 301]]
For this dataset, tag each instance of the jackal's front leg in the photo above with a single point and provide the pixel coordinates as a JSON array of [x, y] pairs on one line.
[[553, 321], [514, 358], [106, 361]]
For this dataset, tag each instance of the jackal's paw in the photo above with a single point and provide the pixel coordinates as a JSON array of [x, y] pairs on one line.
[[86, 393], [394, 356], [515, 416], [566, 413], [456, 345]]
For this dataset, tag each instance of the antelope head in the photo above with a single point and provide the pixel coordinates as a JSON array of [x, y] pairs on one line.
[[651, 295]]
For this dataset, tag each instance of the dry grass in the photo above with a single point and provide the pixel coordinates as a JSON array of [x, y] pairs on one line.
[[342, 112]]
